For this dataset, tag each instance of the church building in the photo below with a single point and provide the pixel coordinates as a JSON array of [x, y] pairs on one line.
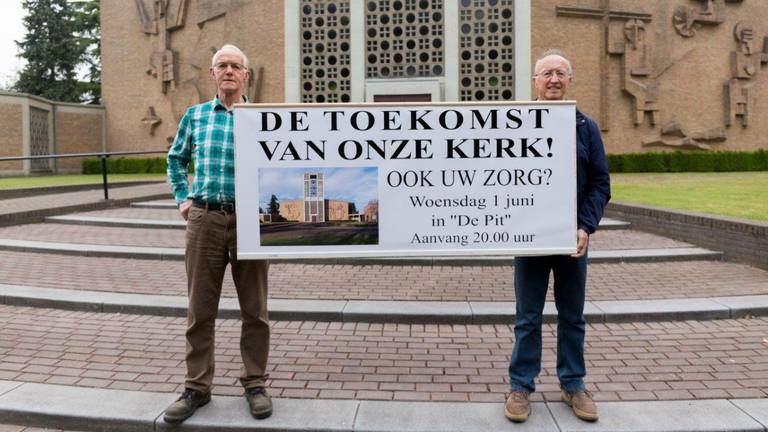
[[656, 75]]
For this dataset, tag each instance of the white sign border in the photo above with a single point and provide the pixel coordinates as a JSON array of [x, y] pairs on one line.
[[290, 255]]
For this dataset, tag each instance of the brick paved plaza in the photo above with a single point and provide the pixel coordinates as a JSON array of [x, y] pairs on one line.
[[646, 359]]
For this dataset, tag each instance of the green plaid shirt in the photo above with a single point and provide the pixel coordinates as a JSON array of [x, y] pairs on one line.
[[206, 132]]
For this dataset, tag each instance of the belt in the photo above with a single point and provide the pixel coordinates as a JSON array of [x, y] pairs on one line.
[[225, 207]]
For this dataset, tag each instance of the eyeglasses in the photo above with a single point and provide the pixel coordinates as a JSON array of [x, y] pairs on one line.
[[237, 67], [547, 74]]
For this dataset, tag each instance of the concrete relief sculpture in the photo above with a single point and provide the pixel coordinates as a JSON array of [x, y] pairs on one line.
[[185, 81], [605, 14], [160, 18], [687, 20], [745, 65], [673, 135], [636, 71], [151, 120]]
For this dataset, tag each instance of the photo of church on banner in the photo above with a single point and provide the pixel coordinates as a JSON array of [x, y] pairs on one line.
[[318, 206]]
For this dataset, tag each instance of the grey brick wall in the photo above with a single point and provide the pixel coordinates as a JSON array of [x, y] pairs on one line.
[[740, 240]]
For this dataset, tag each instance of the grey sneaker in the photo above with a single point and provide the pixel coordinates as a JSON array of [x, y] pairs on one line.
[[582, 404], [259, 401], [517, 407], [185, 406]]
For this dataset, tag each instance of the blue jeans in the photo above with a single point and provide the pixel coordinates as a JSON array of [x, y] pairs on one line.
[[531, 280]]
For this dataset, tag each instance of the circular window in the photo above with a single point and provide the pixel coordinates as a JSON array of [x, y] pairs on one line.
[[466, 55], [307, 86], [320, 98], [479, 95], [424, 57], [411, 71], [466, 82], [307, 35]]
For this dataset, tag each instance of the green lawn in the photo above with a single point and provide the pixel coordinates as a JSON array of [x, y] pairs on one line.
[[62, 180], [736, 194]]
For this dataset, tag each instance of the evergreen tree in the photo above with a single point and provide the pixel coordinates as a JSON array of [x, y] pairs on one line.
[[60, 35], [273, 207], [352, 208], [88, 32]]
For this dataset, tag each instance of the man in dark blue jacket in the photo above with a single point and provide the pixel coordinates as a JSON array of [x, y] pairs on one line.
[[553, 74]]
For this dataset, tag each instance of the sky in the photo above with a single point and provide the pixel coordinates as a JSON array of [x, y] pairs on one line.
[[357, 185], [11, 28]]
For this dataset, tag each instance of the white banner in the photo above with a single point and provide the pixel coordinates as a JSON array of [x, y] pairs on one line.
[[342, 180]]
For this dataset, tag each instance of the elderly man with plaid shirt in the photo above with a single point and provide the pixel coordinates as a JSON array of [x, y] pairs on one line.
[[208, 206]]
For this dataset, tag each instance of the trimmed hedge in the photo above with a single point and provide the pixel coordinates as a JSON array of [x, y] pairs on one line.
[[689, 162], [155, 165]]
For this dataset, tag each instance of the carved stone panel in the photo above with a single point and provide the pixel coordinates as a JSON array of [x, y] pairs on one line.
[[404, 38], [39, 140], [486, 50], [325, 46]]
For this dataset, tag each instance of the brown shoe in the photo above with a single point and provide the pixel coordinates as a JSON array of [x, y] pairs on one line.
[[259, 401], [185, 406], [582, 404], [517, 407]]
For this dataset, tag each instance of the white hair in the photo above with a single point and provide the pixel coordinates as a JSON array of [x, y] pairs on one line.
[[229, 49], [552, 52]]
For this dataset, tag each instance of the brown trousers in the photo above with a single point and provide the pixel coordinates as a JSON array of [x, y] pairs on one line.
[[211, 245]]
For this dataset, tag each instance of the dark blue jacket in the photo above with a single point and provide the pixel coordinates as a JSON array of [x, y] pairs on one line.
[[593, 185]]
